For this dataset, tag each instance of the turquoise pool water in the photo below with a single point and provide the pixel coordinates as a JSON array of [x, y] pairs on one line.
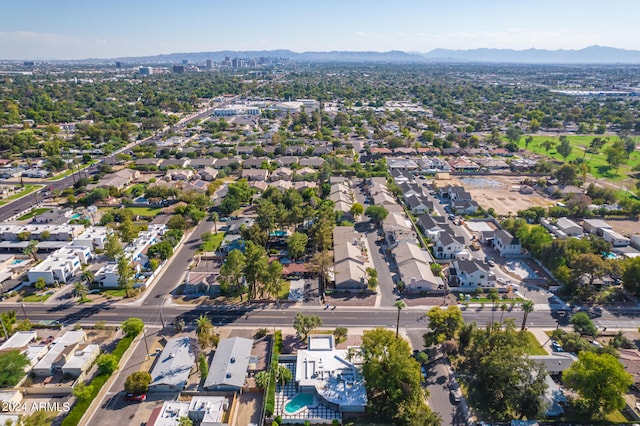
[[299, 401], [76, 216], [17, 261]]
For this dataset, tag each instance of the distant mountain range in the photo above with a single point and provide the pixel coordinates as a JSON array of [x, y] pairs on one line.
[[588, 55]]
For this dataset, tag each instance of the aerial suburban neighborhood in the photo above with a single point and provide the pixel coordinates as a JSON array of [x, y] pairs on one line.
[[255, 239]]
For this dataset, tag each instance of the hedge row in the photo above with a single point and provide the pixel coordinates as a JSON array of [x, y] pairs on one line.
[[270, 404], [81, 406]]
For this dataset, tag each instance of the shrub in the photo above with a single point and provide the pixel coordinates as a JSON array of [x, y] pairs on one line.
[[260, 333]]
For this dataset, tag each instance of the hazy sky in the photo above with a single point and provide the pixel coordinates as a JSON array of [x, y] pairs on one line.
[[64, 29]]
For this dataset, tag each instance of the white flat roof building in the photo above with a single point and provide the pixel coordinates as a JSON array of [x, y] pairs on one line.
[[44, 368], [19, 340]]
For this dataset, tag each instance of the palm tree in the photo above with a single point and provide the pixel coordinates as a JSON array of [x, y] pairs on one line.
[[503, 308], [399, 304], [527, 307], [80, 290], [88, 276], [31, 250], [494, 297], [214, 218], [203, 324]]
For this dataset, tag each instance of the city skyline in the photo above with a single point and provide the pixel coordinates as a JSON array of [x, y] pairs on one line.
[[35, 29]]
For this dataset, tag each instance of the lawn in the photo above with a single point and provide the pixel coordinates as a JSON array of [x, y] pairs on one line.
[[533, 346], [617, 417], [26, 190], [34, 212], [284, 290], [69, 172], [144, 211], [214, 243], [116, 292], [597, 162], [37, 297]]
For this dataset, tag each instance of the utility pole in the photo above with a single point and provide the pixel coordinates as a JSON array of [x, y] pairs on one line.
[[144, 336], [24, 311]]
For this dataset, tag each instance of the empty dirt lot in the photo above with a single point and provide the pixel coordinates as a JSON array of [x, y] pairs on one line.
[[497, 192]]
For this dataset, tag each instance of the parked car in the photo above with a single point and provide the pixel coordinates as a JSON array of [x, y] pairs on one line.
[[132, 397], [456, 393], [491, 263], [555, 346]]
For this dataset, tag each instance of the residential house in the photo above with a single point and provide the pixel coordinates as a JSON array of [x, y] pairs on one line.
[[350, 259], [63, 348], [325, 372], [201, 163], [616, 239], [396, 227], [145, 162], [312, 162], [506, 244], [208, 173], [281, 173], [286, 161], [469, 275], [463, 165], [228, 369], [81, 360], [569, 227], [419, 205], [464, 206], [630, 358], [255, 162], [175, 163], [179, 174], [255, 174], [448, 246], [414, 268], [172, 367]]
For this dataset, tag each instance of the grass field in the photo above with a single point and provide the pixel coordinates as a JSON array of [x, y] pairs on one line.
[[284, 290], [597, 162], [37, 297], [69, 172], [33, 213], [144, 211], [28, 189], [116, 292], [533, 346], [213, 243]]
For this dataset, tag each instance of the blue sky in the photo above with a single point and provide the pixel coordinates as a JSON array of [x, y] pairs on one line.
[[64, 29]]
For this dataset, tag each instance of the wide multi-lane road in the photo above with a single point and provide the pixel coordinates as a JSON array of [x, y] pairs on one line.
[[267, 315]]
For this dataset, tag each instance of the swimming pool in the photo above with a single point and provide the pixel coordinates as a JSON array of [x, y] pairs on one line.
[[17, 261], [76, 216], [298, 402]]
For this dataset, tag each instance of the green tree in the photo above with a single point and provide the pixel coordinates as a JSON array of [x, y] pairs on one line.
[[283, 374], [185, 421], [112, 246], [162, 250], [601, 382], [231, 272], [376, 213], [527, 308], [125, 275], [206, 335], [565, 147], [40, 283], [356, 209], [177, 221], [273, 278], [304, 323], [138, 382], [12, 364], [132, 326], [31, 250], [444, 324], [262, 379], [393, 379], [128, 230], [582, 324], [297, 244], [615, 154], [178, 324], [80, 290], [631, 275], [82, 391], [340, 333], [255, 268], [107, 363]]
